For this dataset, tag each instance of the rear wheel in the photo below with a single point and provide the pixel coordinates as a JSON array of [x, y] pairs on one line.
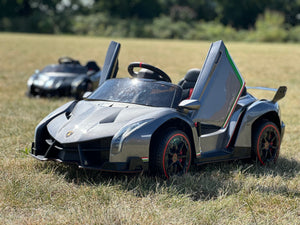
[[266, 142], [172, 154]]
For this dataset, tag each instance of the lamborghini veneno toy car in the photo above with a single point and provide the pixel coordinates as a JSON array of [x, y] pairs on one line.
[[67, 78], [148, 123]]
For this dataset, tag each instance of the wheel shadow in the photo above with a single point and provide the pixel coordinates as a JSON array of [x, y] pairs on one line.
[[203, 182]]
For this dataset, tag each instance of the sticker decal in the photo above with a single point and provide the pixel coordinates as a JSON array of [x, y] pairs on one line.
[[69, 133]]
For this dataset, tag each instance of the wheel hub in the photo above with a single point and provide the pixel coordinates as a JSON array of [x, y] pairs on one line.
[[267, 145], [174, 157]]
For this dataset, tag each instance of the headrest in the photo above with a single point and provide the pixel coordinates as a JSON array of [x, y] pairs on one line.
[[192, 75]]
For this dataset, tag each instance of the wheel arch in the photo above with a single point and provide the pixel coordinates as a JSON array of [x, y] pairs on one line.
[[257, 112], [175, 123], [271, 116]]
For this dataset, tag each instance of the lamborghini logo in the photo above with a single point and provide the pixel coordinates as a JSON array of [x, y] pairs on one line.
[[69, 133]]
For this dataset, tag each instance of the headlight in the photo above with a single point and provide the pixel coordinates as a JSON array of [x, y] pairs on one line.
[[123, 133], [49, 83], [30, 81], [58, 83], [41, 80]]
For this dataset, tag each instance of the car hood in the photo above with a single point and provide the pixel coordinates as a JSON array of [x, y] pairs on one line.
[[58, 75], [50, 79], [98, 119]]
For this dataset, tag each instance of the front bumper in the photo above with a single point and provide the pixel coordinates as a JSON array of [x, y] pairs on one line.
[[90, 155], [50, 92]]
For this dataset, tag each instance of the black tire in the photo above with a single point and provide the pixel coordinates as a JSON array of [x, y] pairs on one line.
[[172, 153], [30, 92], [266, 142]]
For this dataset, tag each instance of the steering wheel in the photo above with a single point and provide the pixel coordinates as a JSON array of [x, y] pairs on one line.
[[157, 75], [66, 60]]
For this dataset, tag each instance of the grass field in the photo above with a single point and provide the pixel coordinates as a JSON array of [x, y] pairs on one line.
[[32, 192]]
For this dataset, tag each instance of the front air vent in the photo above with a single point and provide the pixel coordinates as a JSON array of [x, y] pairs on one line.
[[110, 118], [91, 153], [68, 115]]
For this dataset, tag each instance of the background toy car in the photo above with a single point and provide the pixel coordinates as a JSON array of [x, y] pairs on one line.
[[148, 123], [67, 78]]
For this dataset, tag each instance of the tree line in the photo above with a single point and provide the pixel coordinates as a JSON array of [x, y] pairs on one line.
[[250, 20]]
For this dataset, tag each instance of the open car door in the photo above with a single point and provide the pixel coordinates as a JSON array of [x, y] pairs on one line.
[[218, 87], [110, 66]]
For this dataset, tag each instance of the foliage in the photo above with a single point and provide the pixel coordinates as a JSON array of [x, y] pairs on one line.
[[164, 27], [125, 9], [101, 24], [294, 34], [240, 14], [178, 19], [213, 31], [269, 28], [243, 14]]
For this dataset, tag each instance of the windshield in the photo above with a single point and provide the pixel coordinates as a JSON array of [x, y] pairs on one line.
[[65, 68], [138, 91]]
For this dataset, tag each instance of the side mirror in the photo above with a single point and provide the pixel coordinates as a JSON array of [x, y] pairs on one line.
[[86, 95], [189, 104]]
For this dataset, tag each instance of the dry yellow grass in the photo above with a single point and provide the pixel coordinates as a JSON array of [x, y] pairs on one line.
[[226, 193]]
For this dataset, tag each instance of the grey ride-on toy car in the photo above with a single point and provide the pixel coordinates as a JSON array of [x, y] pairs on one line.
[[146, 123], [67, 78]]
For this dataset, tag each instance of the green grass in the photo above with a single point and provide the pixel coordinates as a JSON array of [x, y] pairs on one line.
[[32, 192]]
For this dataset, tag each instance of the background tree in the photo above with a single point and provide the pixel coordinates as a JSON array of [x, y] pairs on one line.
[[183, 19], [142, 9]]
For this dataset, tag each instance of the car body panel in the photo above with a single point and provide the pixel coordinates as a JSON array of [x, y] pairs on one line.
[[255, 111], [138, 143], [219, 83], [90, 119]]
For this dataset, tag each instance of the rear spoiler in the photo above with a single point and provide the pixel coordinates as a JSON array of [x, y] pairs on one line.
[[280, 92]]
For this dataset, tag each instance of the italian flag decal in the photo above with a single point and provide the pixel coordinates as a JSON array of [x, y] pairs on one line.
[[241, 81], [145, 159]]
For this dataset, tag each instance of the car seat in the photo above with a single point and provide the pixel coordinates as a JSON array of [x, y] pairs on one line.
[[188, 82], [92, 65]]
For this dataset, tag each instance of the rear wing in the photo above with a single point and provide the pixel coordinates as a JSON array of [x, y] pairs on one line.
[[280, 92]]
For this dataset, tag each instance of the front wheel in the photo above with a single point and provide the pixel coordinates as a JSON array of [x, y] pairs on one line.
[[173, 154], [266, 142], [30, 92]]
